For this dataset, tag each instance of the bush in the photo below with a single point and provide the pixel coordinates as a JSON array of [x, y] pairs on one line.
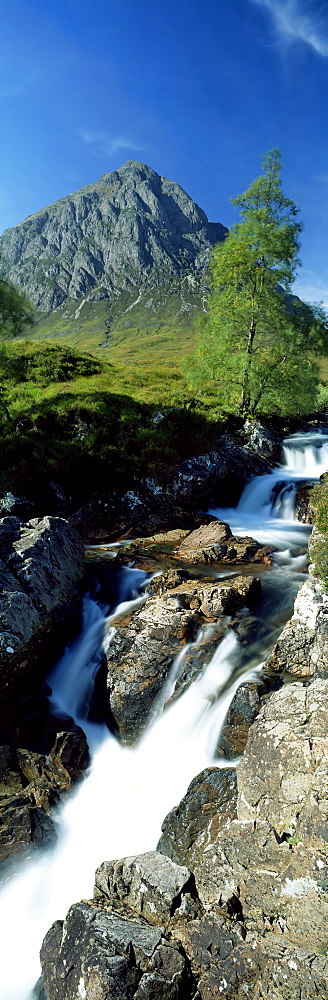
[[319, 539]]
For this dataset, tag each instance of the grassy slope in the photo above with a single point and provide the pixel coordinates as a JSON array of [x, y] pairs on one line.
[[156, 329], [88, 424]]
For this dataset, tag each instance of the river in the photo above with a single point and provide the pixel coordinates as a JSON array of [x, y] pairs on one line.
[[119, 807]]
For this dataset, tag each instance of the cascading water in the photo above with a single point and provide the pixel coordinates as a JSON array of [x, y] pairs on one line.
[[119, 807], [266, 508]]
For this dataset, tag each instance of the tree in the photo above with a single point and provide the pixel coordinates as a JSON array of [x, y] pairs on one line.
[[16, 313], [258, 342]]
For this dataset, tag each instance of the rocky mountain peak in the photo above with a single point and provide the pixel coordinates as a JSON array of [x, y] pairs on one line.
[[131, 228]]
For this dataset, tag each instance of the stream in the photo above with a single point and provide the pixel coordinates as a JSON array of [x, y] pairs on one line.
[[119, 807]]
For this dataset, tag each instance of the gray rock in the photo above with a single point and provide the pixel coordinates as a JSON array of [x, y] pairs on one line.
[[149, 884], [221, 474], [302, 647], [208, 805], [262, 441], [105, 956], [40, 575], [214, 542], [283, 768], [130, 230], [139, 656]]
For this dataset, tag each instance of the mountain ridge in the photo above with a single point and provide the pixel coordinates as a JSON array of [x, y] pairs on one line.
[[130, 226]]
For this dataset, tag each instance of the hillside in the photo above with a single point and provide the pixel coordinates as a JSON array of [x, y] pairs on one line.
[[120, 261]]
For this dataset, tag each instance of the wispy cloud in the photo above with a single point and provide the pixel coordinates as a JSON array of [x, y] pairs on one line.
[[16, 88], [312, 289], [105, 145], [300, 20]]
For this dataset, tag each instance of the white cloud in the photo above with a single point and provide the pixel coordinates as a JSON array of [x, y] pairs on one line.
[[300, 20], [312, 290], [105, 145]]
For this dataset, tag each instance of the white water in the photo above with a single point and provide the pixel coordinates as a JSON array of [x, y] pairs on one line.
[[119, 807], [267, 506]]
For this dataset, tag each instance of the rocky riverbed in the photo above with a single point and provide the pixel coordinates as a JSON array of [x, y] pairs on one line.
[[234, 900]]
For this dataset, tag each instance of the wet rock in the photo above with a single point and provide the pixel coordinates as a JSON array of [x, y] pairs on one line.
[[209, 804], [263, 441], [144, 645], [71, 753], [303, 505], [139, 656], [213, 600], [31, 786], [41, 569], [221, 473], [23, 825], [302, 647], [244, 708], [149, 884], [214, 543]]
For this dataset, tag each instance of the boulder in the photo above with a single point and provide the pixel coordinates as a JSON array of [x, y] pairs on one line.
[[283, 771], [149, 884], [23, 825], [244, 708], [263, 441], [41, 570], [139, 656], [302, 647], [221, 473], [31, 786], [214, 542], [143, 647], [101, 955], [208, 805]]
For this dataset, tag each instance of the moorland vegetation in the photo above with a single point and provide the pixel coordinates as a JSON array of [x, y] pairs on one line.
[[88, 424]]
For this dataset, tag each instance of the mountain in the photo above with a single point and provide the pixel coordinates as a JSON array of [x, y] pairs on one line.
[[134, 243]]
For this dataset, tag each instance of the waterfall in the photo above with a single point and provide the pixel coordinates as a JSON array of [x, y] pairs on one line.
[[266, 508], [118, 809]]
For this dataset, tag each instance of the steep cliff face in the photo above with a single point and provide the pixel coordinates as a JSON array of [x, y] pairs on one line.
[[131, 229]]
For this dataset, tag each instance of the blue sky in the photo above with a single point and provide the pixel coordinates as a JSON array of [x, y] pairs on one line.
[[198, 89]]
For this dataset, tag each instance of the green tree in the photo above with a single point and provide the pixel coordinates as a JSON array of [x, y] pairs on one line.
[[16, 314], [258, 342]]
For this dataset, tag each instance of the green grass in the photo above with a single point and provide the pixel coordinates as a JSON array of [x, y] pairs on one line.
[[157, 329], [88, 424]]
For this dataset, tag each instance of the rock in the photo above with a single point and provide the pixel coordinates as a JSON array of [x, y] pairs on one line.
[[302, 647], [283, 768], [23, 824], [41, 569], [31, 786], [104, 956], [151, 885], [214, 542], [244, 708], [71, 753], [262, 441], [143, 648], [139, 657], [208, 805], [221, 474], [130, 231], [214, 601]]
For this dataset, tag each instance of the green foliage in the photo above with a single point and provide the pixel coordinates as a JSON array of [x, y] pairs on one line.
[[16, 313], [56, 364], [319, 540], [95, 431], [257, 343]]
